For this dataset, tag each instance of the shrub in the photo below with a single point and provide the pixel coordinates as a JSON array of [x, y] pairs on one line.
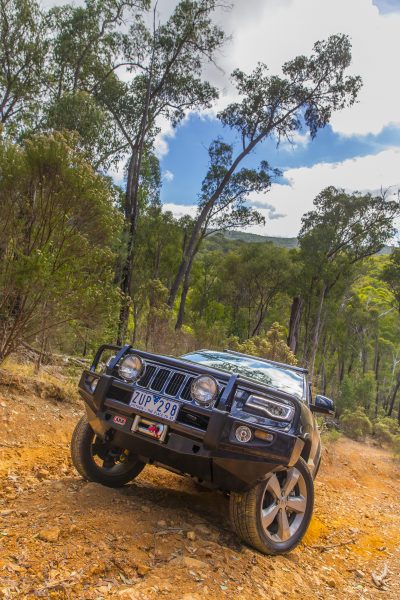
[[272, 345], [382, 433], [391, 424], [396, 446], [356, 424], [333, 435]]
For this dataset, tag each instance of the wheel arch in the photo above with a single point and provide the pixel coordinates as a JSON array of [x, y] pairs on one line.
[[306, 451]]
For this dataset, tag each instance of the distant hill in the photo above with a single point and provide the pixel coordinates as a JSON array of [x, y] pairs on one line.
[[254, 238]]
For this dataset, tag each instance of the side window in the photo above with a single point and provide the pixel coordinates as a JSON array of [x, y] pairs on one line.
[[310, 398]]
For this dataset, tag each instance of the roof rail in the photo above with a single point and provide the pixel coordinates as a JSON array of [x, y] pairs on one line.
[[266, 360]]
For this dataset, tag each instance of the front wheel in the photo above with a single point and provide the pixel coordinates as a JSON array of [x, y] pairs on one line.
[[274, 514], [97, 461]]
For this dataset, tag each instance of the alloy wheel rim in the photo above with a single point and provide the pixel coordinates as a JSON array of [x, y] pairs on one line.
[[283, 504]]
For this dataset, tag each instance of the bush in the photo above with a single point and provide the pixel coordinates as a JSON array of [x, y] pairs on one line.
[[382, 433], [356, 424], [390, 424], [396, 446], [272, 345], [333, 435]]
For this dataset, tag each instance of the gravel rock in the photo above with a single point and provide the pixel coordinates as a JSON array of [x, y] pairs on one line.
[[50, 535]]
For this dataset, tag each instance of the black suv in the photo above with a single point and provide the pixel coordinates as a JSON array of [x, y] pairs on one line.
[[237, 423]]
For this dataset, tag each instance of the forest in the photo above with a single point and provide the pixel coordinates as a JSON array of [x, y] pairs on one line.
[[87, 260]]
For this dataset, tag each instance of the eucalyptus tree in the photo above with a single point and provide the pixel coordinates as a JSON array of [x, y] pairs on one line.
[[231, 210], [86, 51], [117, 78], [342, 230], [391, 275], [23, 48], [165, 63], [309, 90], [253, 277]]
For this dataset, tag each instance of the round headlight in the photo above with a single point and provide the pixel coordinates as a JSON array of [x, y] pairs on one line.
[[131, 367], [204, 389]]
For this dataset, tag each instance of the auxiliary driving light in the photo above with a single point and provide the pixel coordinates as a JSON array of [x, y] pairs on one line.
[[243, 434], [204, 390], [131, 367]]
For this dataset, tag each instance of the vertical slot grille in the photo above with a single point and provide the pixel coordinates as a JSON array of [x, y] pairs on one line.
[[185, 393], [146, 377], [160, 379], [175, 383]]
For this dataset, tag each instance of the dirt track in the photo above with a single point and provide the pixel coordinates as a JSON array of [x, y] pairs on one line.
[[163, 537]]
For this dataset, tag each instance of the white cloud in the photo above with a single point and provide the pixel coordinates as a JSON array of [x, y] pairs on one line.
[[274, 31], [118, 171], [168, 176], [296, 142], [284, 205], [367, 173], [180, 210], [161, 142]]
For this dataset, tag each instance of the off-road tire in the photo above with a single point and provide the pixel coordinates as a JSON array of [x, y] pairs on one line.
[[315, 473], [245, 515], [82, 458]]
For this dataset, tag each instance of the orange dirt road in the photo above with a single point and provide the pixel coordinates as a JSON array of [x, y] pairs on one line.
[[164, 537]]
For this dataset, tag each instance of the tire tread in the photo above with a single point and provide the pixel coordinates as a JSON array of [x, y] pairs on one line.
[[82, 438], [243, 509]]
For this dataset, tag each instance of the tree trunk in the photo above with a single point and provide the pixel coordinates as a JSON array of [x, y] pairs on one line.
[[317, 331], [131, 209], [341, 369], [185, 287], [182, 303], [260, 321], [398, 416], [377, 360], [350, 367], [393, 398], [294, 323], [135, 323], [184, 266], [131, 205]]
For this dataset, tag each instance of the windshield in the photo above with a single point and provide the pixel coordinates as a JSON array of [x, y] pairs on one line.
[[281, 378]]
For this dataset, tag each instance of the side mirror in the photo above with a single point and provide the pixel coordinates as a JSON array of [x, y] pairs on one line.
[[323, 405]]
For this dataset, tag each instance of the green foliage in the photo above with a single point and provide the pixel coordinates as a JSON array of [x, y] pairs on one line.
[[331, 436], [272, 346], [356, 392], [391, 275], [356, 424], [396, 447], [315, 85], [253, 278], [80, 113], [56, 239], [23, 48], [382, 433]]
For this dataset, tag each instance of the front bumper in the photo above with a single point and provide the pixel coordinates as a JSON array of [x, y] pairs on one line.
[[210, 453]]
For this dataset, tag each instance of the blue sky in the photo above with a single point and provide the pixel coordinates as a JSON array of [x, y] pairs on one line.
[[187, 157], [359, 150]]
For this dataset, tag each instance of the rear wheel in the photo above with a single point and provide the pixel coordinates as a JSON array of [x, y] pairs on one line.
[[274, 515], [96, 460]]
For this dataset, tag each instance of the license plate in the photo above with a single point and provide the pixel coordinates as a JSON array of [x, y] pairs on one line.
[[155, 405]]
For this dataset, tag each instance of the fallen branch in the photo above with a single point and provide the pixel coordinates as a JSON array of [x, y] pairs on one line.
[[57, 358]]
